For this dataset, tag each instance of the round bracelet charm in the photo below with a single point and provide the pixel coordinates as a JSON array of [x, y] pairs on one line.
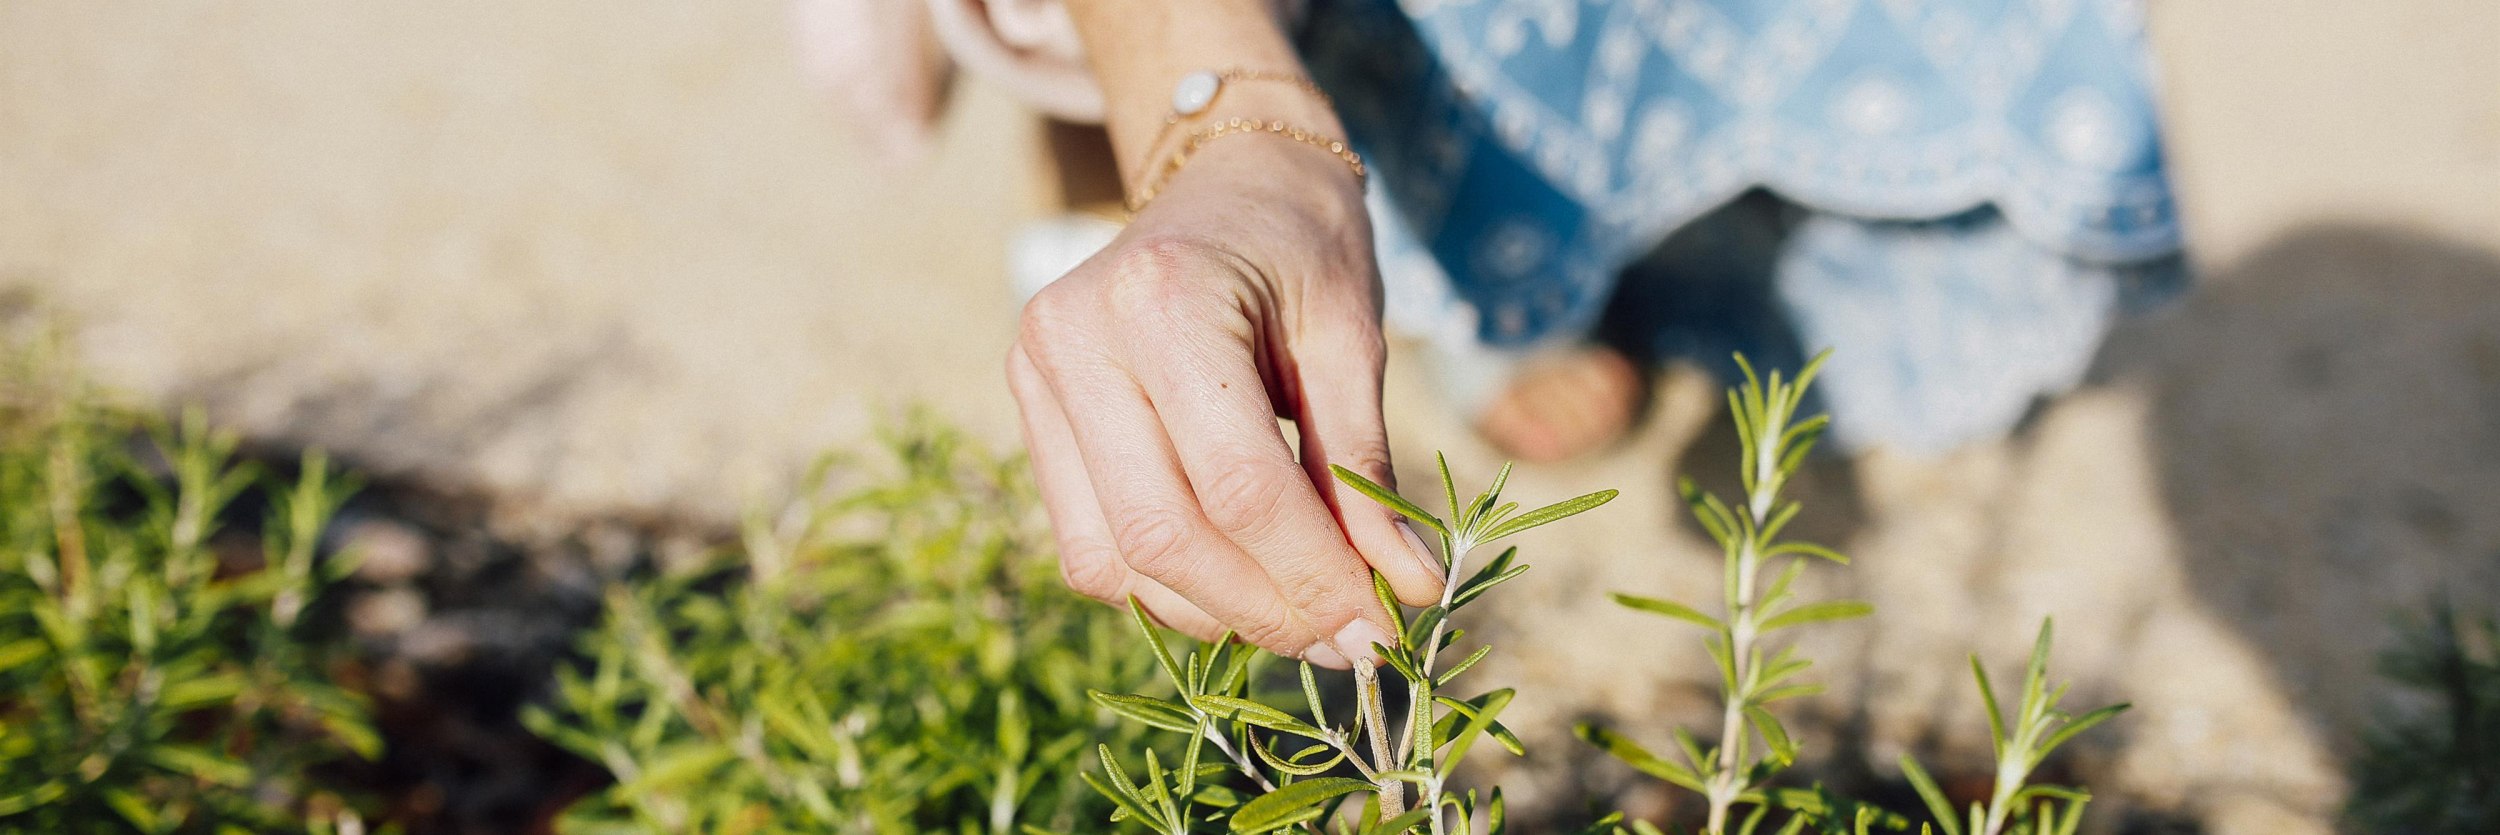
[[1194, 92]]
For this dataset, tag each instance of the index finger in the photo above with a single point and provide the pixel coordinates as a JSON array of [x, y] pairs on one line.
[[1155, 520], [1209, 395]]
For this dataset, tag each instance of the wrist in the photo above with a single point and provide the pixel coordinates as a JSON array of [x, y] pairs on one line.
[[1201, 100], [1157, 176], [1285, 186], [1278, 106]]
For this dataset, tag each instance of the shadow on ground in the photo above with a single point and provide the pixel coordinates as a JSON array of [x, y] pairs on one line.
[[2320, 426], [2325, 416]]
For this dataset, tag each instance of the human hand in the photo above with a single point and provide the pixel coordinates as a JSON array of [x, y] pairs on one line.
[[1150, 378]]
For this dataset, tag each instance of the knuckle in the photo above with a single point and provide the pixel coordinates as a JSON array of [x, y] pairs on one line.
[[1353, 347], [1155, 255], [1157, 281], [1093, 571], [1272, 629], [1161, 256], [1155, 542], [1050, 319], [1368, 458], [1244, 498], [1369, 348], [1323, 586]]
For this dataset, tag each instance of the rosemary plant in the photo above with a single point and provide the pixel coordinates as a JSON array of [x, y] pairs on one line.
[[146, 683], [1752, 675], [893, 654], [1295, 763], [2436, 771], [2036, 728], [1735, 776]]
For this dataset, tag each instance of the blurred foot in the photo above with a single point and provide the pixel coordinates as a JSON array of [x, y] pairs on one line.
[[1561, 407]]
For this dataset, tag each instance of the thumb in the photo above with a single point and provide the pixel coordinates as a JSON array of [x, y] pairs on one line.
[[1337, 374]]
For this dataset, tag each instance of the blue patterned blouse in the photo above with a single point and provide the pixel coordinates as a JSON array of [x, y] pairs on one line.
[[1958, 195]]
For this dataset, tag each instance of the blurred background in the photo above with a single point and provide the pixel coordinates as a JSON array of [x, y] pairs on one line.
[[561, 268]]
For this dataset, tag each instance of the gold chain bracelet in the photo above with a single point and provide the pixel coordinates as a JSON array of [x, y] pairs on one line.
[[1235, 127], [1197, 91]]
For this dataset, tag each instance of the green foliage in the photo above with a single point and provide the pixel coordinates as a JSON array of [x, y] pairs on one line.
[[1291, 760], [2021, 740], [894, 654], [1758, 600], [2438, 771], [146, 685], [1735, 773]]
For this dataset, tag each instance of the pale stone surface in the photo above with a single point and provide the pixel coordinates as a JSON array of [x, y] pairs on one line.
[[619, 259]]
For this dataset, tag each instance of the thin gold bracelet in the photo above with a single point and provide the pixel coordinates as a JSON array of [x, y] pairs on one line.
[[1196, 92], [1234, 127]]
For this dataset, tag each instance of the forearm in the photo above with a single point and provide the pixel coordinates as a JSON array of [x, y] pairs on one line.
[[1140, 48]]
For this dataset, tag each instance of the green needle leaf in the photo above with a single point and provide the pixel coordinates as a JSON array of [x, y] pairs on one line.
[[1500, 480], [1310, 692], [1550, 513], [1295, 765], [1477, 588], [2037, 672], [1480, 713], [1245, 710], [1806, 549], [1293, 804], [1127, 803], [1163, 652], [1818, 612], [1388, 601], [1462, 666], [2079, 725], [1151, 711], [1668, 608], [2059, 792], [1400, 661], [1388, 499], [1632, 754], [1403, 823], [1937, 805], [1421, 630], [1774, 735], [1988, 695]]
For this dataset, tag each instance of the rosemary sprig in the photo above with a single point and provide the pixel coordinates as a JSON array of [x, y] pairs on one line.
[[1733, 773], [1296, 789]]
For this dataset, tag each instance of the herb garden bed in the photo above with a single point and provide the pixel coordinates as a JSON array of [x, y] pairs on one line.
[[196, 640]]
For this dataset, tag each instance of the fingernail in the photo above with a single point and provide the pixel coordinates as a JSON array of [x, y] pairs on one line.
[[1322, 654], [1423, 553], [1357, 638]]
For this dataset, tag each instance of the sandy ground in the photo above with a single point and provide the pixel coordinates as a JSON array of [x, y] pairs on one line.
[[616, 257], [624, 259]]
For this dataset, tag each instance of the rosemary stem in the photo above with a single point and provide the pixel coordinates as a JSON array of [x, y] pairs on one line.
[[1728, 781], [1431, 791], [1207, 731], [1367, 690], [2010, 775]]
